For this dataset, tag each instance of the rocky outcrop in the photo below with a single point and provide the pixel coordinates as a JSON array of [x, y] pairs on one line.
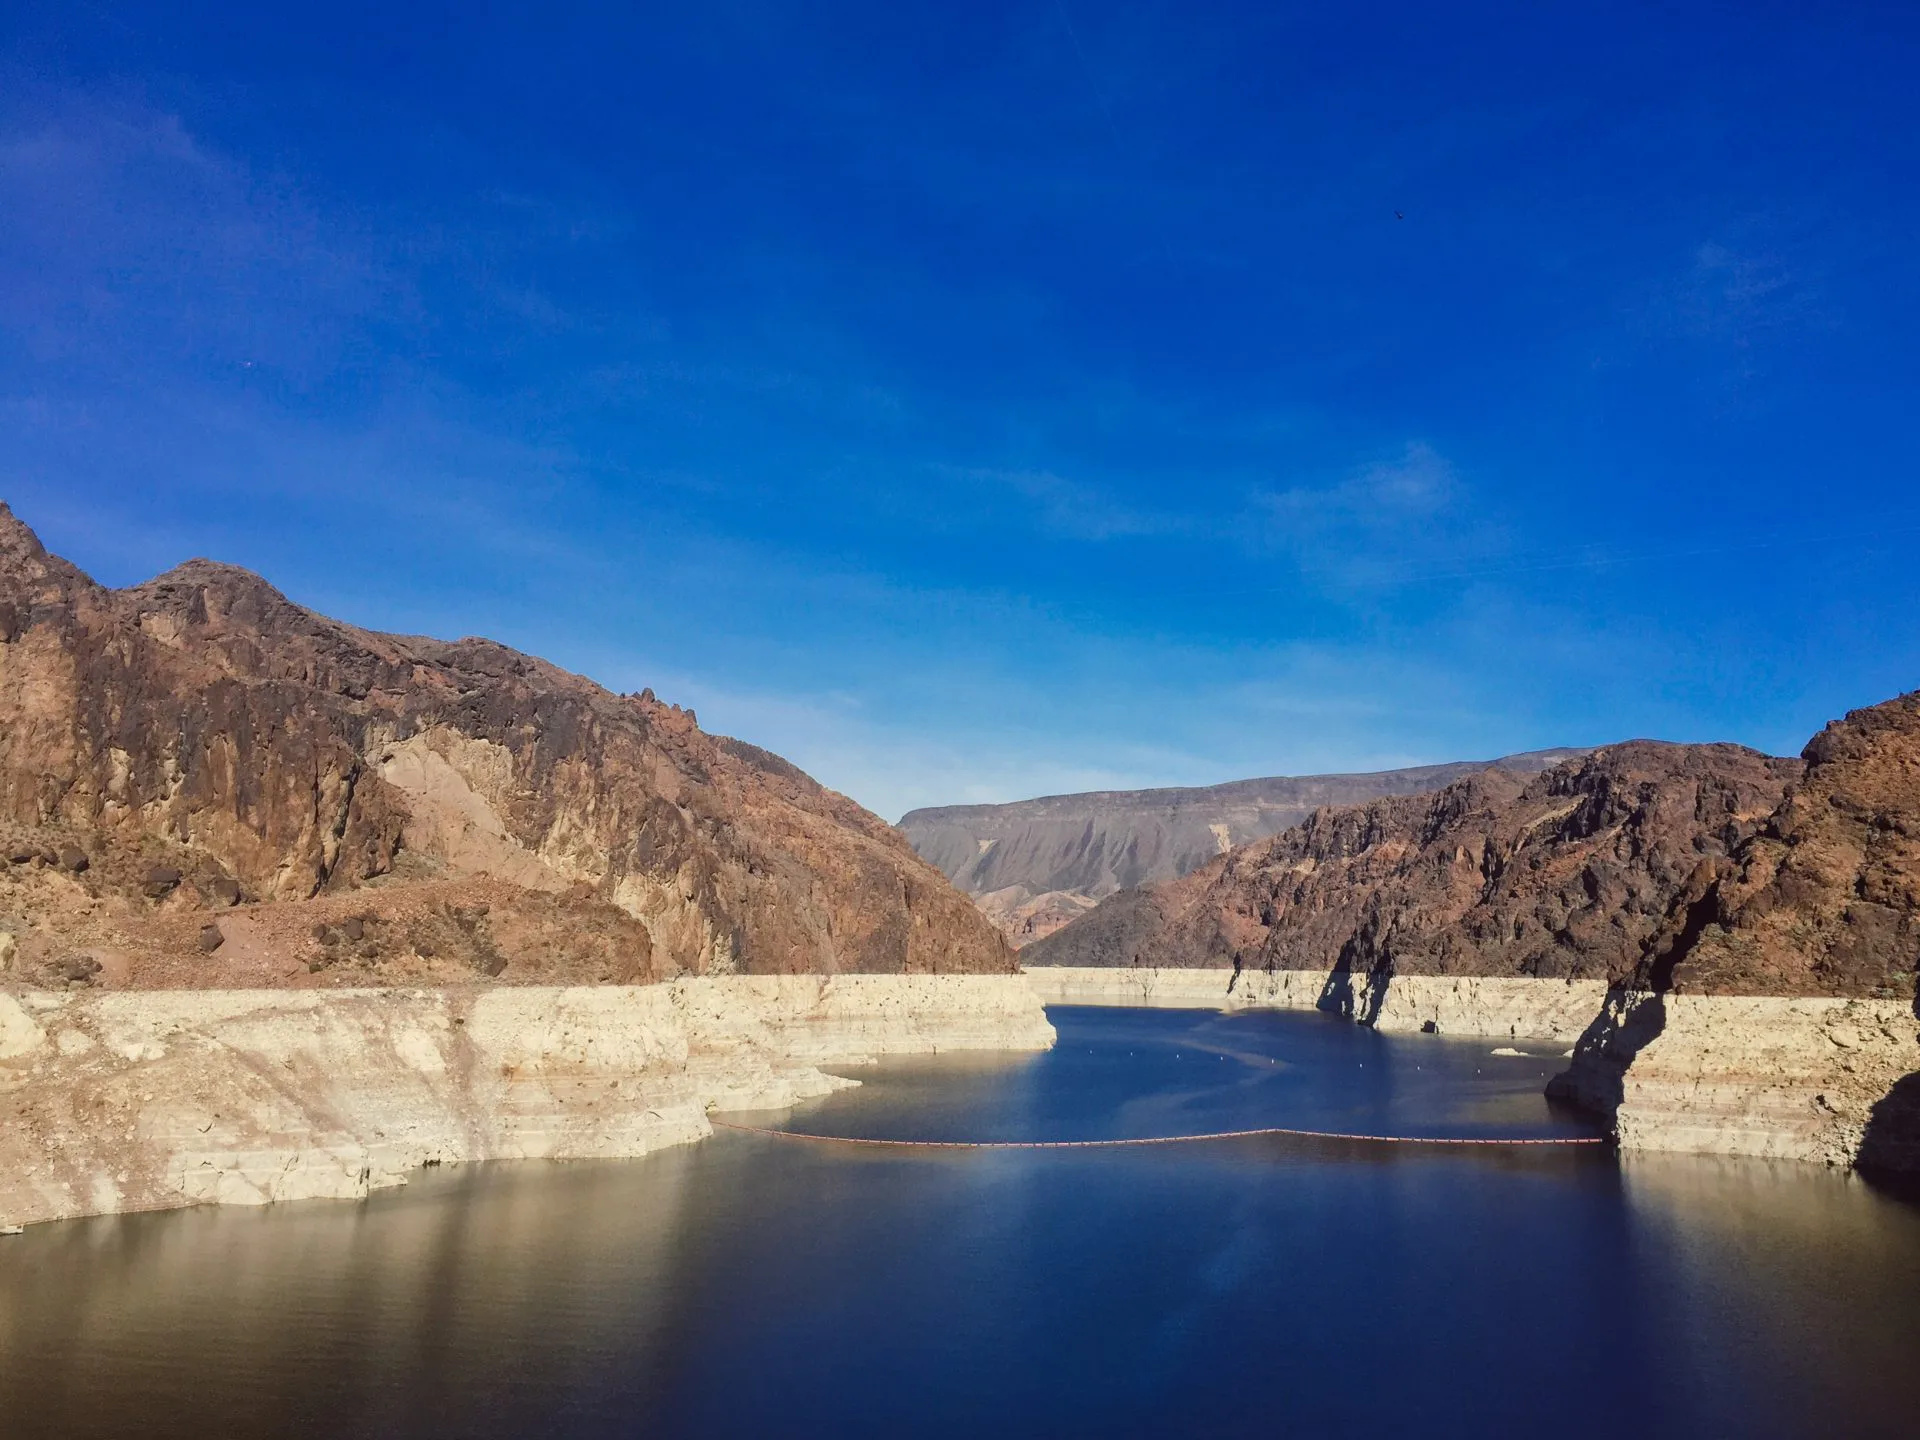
[[1822, 901], [152, 1099], [203, 784], [1746, 929], [1024, 918], [1036, 864], [1798, 1078], [1574, 874], [1825, 897]]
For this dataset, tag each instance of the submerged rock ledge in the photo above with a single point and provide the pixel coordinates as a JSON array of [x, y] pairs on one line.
[[123, 1101], [1795, 1078]]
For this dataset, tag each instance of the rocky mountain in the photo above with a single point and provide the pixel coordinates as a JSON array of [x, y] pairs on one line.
[[1697, 868], [1571, 873], [1729, 940], [1825, 897], [203, 784], [1037, 865], [1822, 899]]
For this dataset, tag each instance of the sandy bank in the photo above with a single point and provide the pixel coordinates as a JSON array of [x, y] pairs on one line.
[[122, 1101]]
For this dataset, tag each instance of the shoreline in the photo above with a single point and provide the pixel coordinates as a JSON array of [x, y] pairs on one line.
[[1808, 1078], [122, 1101]]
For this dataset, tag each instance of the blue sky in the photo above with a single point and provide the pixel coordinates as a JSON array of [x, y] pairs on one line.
[[979, 401]]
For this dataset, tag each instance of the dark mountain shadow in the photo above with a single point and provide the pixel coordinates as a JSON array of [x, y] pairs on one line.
[[1342, 996], [1630, 1020], [1595, 1081], [1889, 1157]]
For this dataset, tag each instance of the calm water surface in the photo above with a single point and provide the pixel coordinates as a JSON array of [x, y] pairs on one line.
[[750, 1286]]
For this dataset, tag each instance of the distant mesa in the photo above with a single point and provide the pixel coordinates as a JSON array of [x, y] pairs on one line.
[[1033, 866]]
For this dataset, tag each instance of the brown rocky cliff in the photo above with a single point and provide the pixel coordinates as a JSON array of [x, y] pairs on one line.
[[1825, 897], [1034, 865], [201, 737], [1576, 873]]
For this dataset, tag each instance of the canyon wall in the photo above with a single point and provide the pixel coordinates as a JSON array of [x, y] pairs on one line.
[[1741, 932], [1803, 1078], [1485, 1007], [1035, 865], [1573, 873], [197, 746], [288, 908], [152, 1099]]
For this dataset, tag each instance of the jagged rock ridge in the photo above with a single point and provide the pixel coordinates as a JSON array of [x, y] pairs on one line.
[[1706, 869], [1574, 873], [1826, 895], [202, 783], [1036, 865]]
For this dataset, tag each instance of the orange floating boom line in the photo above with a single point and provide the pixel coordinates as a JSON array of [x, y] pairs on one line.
[[1158, 1139]]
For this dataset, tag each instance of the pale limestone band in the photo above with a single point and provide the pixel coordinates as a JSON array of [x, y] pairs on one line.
[[145, 1100], [150, 1099], [1723, 1075]]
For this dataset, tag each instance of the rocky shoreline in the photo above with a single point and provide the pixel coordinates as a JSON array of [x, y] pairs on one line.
[[1730, 939], [1802, 1078], [123, 1101]]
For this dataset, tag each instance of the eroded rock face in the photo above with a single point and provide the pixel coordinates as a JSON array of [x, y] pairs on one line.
[[201, 742], [1825, 898], [1034, 865], [1695, 869], [1575, 874], [1025, 918], [1744, 930]]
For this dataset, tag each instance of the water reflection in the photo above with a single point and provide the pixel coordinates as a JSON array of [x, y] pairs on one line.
[[1804, 1272], [754, 1285], [389, 1316]]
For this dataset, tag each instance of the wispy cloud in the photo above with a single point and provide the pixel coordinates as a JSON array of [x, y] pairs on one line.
[[918, 580], [1743, 297], [1382, 495], [128, 242], [1731, 296], [1379, 525], [1065, 507]]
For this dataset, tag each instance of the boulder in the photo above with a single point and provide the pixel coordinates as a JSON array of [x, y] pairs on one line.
[[75, 969]]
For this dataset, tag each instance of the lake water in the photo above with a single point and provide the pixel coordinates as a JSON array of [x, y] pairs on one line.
[[754, 1286]]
